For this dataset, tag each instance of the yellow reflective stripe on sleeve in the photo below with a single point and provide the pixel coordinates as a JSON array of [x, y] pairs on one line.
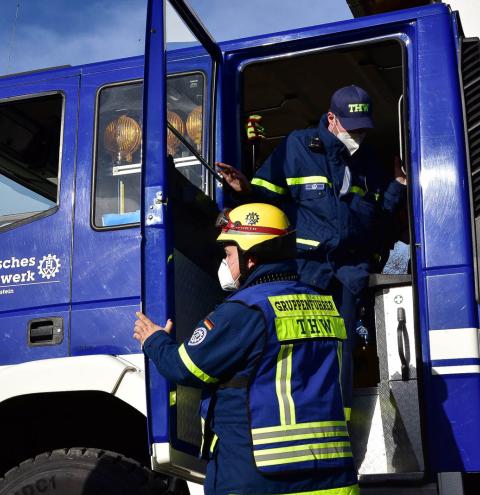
[[268, 185], [312, 179], [343, 490], [308, 242], [193, 368], [173, 398], [358, 190], [283, 385]]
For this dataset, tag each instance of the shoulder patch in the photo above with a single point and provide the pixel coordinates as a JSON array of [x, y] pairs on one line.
[[198, 336]]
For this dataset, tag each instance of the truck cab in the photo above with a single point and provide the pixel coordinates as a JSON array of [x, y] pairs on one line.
[[108, 202]]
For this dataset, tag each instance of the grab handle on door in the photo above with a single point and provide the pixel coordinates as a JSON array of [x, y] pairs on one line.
[[45, 331], [403, 343]]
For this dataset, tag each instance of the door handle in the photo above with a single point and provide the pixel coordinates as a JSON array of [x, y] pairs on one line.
[[403, 344], [45, 331]]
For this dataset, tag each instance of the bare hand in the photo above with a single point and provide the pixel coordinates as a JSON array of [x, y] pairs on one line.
[[144, 327], [398, 171], [234, 178]]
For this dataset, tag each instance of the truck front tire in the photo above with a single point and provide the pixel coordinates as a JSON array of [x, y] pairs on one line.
[[81, 471]]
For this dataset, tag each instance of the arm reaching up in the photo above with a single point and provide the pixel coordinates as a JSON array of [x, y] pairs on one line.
[[234, 178]]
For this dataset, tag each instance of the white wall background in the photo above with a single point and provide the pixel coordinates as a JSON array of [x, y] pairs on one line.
[[470, 15]]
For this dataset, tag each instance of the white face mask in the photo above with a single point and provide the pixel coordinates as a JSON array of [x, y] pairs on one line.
[[351, 140], [225, 278]]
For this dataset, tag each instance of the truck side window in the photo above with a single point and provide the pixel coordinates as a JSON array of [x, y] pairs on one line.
[[117, 194], [30, 130]]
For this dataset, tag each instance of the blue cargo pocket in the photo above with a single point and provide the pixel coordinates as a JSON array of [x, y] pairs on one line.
[[307, 192], [315, 216]]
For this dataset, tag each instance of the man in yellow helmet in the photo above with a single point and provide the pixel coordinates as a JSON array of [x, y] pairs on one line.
[[268, 359]]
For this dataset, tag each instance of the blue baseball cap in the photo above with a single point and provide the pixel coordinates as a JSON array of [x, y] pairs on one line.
[[353, 107]]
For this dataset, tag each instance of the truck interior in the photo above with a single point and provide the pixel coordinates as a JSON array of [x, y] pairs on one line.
[[292, 92], [30, 133]]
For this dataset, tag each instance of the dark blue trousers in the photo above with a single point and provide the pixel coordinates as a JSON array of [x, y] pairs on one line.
[[319, 276]]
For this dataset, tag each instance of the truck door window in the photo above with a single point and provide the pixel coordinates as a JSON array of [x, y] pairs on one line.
[[30, 130], [185, 113], [118, 155]]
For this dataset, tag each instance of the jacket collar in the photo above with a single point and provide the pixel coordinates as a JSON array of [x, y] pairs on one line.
[[333, 146], [266, 269]]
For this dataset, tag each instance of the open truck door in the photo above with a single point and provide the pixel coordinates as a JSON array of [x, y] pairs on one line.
[[178, 211]]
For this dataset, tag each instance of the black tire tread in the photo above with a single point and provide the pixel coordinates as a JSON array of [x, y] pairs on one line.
[[144, 476]]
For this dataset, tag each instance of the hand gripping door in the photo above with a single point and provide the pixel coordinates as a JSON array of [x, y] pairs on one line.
[[173, 445]]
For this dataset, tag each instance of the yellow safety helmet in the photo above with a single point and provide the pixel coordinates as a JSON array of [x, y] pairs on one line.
[[252, 224]]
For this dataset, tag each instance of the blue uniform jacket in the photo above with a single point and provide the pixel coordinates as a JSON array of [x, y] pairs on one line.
[[337, 234], [226, 345]]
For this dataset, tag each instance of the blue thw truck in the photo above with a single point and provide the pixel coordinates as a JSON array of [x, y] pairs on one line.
[[107, 202]]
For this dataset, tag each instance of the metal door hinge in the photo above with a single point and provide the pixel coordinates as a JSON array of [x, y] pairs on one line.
[[154, 206]]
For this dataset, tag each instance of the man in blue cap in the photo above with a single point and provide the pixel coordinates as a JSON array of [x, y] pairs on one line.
[[339, 199]]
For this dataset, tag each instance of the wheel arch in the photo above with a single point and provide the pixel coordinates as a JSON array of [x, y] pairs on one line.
[[89, 401]]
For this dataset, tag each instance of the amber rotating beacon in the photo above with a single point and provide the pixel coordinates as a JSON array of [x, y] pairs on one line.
[[172, 141], [194, 126], [122, 138]]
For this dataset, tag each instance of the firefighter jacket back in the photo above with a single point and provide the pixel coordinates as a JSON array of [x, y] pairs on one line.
[[295, 406]]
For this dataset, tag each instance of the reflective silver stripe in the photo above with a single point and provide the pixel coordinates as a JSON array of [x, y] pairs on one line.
[[302, 453], [283, 385], [300, 431]]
